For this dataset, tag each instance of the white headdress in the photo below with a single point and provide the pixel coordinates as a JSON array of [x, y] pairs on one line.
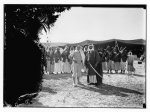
[[91, 45]]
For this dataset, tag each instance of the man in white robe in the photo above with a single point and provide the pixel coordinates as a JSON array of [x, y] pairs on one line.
[[57, 60], [83, 59], [77, 64]]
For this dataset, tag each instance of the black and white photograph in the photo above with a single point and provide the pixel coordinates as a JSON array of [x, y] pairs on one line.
[[75, 56]]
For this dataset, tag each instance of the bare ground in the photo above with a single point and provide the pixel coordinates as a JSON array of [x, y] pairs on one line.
[[118, 90]]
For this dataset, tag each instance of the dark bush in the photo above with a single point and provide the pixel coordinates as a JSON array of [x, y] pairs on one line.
[[22, 66], [23, 54]]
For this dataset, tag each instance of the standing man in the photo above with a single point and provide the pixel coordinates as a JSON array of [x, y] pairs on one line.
[[48, 61], [83, 59], [109, 59], [104, 62], [51, 61], [76, 65], [130, 60], [123, 60], [117, 60], [70, 59], [91, 61], [65, 61], [57, 58]]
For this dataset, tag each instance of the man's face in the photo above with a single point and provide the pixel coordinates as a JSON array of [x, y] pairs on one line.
[[85, 48], [91, 48]]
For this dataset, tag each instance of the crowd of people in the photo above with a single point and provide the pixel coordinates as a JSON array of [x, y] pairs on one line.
[[87, 59], [117, 59]]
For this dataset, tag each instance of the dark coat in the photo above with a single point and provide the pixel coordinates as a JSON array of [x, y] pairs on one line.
[[57, 56], [117, 57], [99, 69], [48, 55], [64, 56], [92, 58], [124, 57], [51, 57]]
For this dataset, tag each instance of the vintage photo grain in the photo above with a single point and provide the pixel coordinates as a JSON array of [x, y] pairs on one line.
[[74, 56]]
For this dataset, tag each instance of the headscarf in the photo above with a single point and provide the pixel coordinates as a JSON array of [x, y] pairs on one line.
[[90, 47]]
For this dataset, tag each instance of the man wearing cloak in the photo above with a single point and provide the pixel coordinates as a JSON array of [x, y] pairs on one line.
[[91, 61]]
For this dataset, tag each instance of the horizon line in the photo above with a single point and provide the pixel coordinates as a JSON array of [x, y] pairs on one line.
[[96, 40]]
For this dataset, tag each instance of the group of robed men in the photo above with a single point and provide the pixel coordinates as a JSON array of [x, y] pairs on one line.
[[114, 58], [76, 60], [90, 60]]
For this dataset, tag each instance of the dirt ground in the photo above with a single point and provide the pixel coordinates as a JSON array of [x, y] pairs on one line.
[[118, 90]]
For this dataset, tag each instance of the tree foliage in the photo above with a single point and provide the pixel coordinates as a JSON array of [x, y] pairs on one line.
[[23, 54], [29, 18]]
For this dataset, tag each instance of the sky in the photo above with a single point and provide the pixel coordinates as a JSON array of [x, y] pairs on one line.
[[80, 23]]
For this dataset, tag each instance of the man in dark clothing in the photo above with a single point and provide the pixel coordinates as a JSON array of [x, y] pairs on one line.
[[65, 60], [117, 60], [92, 60], [123, 60], [109, 57], [104, 63]]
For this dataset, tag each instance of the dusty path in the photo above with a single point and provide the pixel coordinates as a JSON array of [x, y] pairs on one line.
[[118, 90]]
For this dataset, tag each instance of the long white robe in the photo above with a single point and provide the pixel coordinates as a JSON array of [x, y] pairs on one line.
[[71, 65], [82, 55], [57, 65], [83, 60]]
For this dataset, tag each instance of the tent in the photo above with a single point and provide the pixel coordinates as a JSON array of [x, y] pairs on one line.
[[137, 46]]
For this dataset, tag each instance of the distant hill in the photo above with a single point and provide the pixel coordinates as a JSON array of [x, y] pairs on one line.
[[54, 44], [136, 41], [86, 42]]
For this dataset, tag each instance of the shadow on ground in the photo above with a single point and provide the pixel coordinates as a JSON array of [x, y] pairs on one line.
[[106, 89], [57, 76], [138, 75], [49, 90], [34, 104]]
